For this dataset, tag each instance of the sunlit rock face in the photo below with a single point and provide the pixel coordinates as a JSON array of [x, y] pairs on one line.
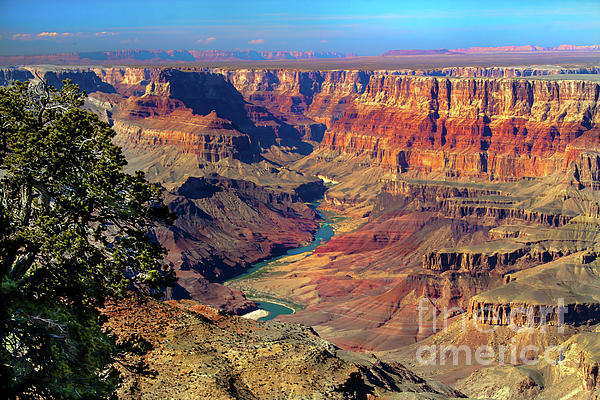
[[502, 129], [470, 121], [497, 128], [219, 356]]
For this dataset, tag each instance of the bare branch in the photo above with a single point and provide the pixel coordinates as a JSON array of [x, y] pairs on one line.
[[44, 99]]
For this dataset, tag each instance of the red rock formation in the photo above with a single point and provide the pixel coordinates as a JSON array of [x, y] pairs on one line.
[[493, 128], [208, 103], [174, 114], [127, 81], [208, 136], [499, 129]]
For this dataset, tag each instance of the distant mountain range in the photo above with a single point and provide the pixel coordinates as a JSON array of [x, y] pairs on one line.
[[129, 57], [500, 49], [167, 56]]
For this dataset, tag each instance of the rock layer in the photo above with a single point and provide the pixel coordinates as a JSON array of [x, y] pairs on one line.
[[417, 136], [501, 129], [560, 292], [497, 128]]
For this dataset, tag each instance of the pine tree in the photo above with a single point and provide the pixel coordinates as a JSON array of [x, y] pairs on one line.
[[74, 231]]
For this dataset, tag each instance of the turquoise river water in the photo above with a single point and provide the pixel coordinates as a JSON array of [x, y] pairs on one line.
[[323, 235]]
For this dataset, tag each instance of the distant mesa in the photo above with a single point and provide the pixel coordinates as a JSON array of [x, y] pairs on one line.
[[167, 56], [499, 49], [528, 48], [149, 57], [416, 52]]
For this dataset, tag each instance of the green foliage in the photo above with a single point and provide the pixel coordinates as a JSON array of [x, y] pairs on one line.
[[74, 230]]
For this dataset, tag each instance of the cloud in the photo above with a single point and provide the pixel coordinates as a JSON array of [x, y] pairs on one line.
[[21, 36], [208, 40], [103, 34], [256, 41], [45, 35]]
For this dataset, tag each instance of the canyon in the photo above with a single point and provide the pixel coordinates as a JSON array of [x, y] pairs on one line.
[[472, 192]]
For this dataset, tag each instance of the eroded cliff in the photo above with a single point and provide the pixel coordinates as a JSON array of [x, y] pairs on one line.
[[465, 122]]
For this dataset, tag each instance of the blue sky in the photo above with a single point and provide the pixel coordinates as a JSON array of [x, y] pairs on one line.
[[361, 27]]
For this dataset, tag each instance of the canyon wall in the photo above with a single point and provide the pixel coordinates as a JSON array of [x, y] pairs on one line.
[[223, 227], [500, 129], [468, 121], [493, 128]]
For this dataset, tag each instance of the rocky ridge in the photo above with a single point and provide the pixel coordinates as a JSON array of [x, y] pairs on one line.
[[209, 242], [213, 355]]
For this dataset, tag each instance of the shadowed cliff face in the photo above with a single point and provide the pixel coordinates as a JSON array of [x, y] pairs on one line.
[[202, 93], [9, 75], [206, 92], [87, 80], [223, 226]]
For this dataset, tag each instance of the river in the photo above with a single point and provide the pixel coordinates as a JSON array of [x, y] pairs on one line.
[[323, 235]]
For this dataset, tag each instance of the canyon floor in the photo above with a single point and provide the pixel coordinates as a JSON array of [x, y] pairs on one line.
[[464, 199]]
